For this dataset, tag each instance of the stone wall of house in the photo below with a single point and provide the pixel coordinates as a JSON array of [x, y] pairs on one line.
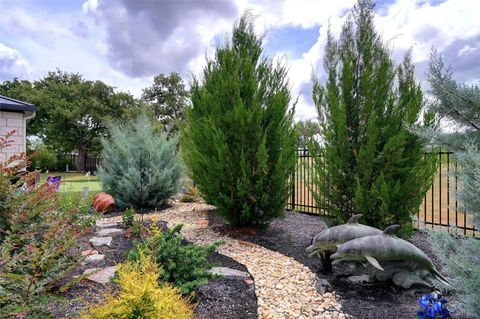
[[12, 121]]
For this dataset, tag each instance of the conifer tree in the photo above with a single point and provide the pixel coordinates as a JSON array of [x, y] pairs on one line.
[[368, 162], [239, 138], [459, 105], [140, 167]]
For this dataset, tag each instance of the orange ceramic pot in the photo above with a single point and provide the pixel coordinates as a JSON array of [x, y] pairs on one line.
[[103, 202]]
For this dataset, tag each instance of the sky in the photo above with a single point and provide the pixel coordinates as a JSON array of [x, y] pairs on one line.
[[125, 43]]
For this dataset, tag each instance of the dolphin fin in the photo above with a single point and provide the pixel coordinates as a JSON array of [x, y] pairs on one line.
[[390, 230], [354, 219], [373, 262]]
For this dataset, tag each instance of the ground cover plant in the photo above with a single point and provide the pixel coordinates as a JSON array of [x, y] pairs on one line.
[[37, 241], [184, 265], [140, 167], [369, 162], [141, 295], [239, 140]]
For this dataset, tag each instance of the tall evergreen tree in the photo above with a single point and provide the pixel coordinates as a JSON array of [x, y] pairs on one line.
[[372, 164], [239, 138]]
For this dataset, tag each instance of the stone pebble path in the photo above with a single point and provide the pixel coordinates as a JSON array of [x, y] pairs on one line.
[[285, 288]]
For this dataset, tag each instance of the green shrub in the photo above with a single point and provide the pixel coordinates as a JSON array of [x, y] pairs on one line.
[[141, 297], [128, 217], [191, 195], [184, 265], [140, 167], [79, 207], [37, 242], [44, 159], [239, 139]]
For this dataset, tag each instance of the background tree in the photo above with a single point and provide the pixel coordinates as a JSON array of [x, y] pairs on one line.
[[239, 137], [306, 130], [72, 112], [373, 164], [459, 106], [167, 99]]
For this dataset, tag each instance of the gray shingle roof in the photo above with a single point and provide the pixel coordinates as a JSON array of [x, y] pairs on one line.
[[9, 104]]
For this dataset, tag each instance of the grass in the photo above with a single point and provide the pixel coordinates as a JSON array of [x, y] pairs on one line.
[[75, 182]]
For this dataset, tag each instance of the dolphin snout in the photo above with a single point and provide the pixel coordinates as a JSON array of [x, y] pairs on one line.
[[335, 256]]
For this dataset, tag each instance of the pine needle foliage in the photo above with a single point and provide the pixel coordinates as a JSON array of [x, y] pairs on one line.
[[459, 105], [239, 138], [140, 166], [368, 162], [186, 266], [141, 296]]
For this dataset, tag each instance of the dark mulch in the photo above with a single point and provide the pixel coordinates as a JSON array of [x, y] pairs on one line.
[[292, 234], [220, 298], [227, 299]]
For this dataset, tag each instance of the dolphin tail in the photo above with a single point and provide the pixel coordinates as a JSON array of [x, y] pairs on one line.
[[439, 276]]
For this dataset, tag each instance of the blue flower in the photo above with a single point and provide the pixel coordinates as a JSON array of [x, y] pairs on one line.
[[432, 306]]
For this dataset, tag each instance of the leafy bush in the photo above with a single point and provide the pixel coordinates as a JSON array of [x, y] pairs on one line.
[[239, 140], [128, 216], [44, 159], [140, 167], [37, 240], [184, 265], [141, 296], [80, 207]]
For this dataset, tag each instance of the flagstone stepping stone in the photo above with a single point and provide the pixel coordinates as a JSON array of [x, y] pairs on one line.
[[229, 273], [106, 225], [89, 252], [100, 241], [94, 258], [110, 231], [102, 276]]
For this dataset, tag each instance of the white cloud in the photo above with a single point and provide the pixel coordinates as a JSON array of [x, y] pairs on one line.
[[12, 64]]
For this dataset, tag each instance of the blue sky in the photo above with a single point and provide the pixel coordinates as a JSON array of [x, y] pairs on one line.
[[125, 43]]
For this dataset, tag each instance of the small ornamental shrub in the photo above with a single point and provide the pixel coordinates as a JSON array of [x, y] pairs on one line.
[[184, 265], [140, 167], [128, 217], [37, 241], [141, 296], [190, 195], [239, 139]]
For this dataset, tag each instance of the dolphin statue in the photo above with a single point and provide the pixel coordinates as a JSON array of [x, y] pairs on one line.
[[330, 238], [386, 248]]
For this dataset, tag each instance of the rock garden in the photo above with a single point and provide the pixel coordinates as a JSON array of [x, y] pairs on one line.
[[188, 217]]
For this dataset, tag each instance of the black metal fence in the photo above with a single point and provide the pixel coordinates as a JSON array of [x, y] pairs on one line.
[[440, 207], [91, 163]]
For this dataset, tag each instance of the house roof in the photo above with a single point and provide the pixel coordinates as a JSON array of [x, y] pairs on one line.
[[9, 104]]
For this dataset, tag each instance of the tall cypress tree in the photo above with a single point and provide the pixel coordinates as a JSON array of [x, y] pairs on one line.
[[239, 140], [370, 161]]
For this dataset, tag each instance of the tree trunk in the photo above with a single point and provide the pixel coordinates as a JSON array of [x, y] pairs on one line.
[[81, 159]]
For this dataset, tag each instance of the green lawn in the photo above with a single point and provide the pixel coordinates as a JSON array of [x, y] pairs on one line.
[[75, 182]]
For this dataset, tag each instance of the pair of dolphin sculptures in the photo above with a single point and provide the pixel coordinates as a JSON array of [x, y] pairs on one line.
[[356, 242]]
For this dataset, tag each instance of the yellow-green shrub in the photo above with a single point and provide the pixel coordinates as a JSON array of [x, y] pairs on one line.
[[141, 296]]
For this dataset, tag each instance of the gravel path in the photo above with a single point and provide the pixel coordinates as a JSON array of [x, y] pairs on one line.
[[284, 287]]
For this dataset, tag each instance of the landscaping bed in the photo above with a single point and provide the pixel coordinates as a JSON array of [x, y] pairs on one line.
[[292, 234], [220, 298]]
